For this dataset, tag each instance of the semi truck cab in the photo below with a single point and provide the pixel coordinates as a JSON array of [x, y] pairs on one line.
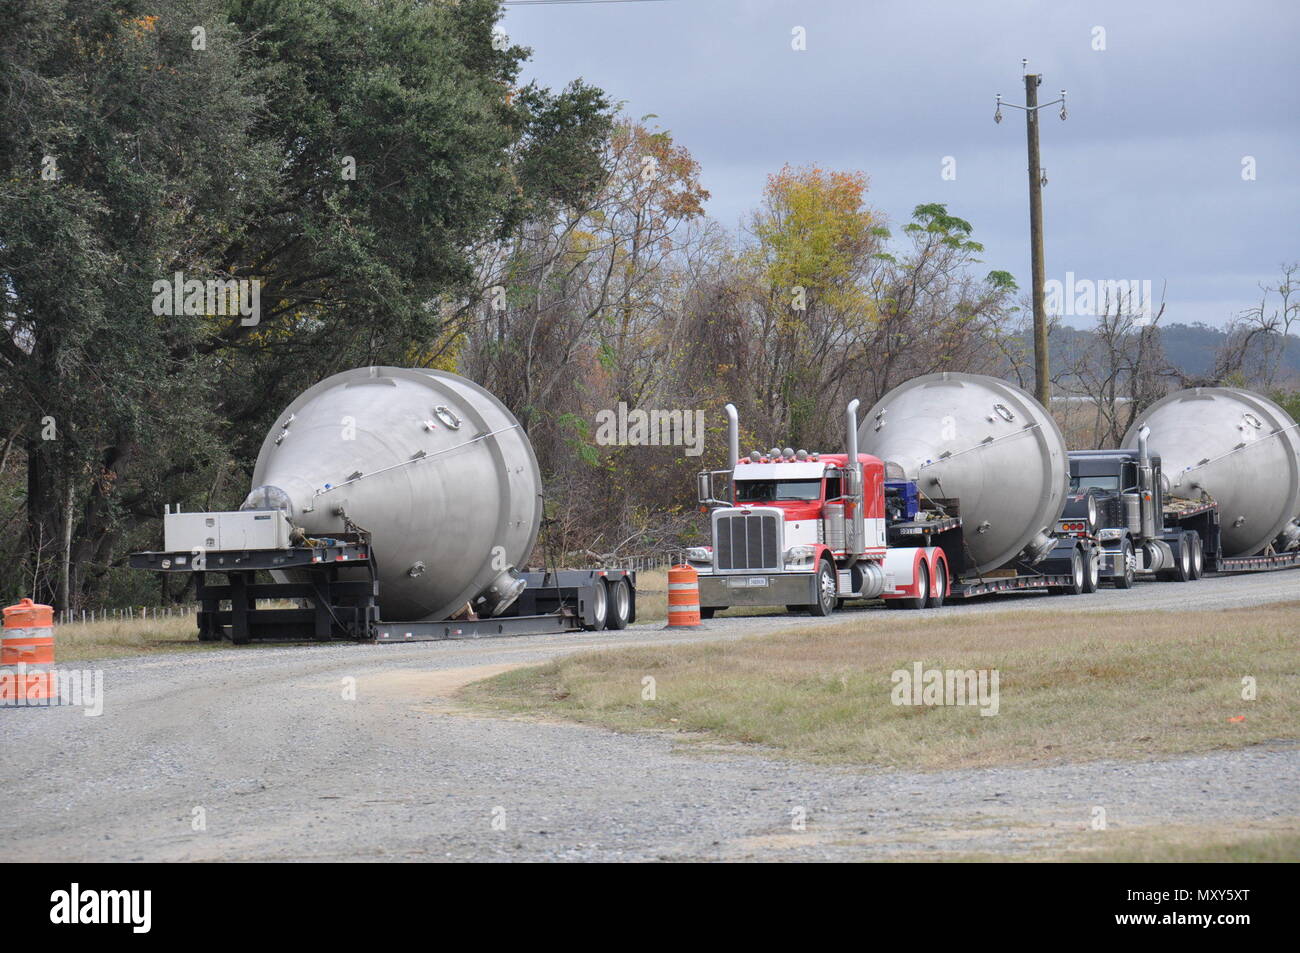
[[807, 531], [1118, 496]]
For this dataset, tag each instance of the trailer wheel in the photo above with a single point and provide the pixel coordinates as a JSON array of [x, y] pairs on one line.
[[922, 591], [826, 590], [1077, 575], [1198, 555], [1092, 578], [940, 588], [620, 605], [599, 608], [1125, 579], [1182, 571]]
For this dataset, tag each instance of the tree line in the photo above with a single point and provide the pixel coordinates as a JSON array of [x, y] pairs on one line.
[[396, 194]]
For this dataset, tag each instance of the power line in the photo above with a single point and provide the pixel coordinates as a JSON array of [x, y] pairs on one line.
[[1037, 179]]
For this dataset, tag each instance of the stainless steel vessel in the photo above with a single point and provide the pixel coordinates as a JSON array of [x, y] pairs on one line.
[[433, 466], [985, 443], [1239, 448]]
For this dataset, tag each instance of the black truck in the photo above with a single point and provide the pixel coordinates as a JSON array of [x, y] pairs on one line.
[[1118, 498]]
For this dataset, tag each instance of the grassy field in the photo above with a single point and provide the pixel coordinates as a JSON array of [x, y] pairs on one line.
[[1176, 844], [86, 641], [1095, 685]]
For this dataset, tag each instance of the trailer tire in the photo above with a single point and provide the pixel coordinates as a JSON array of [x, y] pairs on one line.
[[1092, 577], [619, 613], [706, 612], [1125, 579], [599, 609], [1198, 554], [1078, 576], [922, 591], [940, 588], [1182, 571], [826, 590]]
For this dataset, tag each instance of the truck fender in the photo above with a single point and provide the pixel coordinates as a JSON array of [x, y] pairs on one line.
[[903, 563]]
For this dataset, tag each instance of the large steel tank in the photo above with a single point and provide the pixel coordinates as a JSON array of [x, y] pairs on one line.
[[433, 466], [985, 443], [1241, 449]]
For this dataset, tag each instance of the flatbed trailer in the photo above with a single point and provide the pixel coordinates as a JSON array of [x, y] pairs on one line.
[[1263, 563], [1055, 573], [339, 597], [1203, 517]]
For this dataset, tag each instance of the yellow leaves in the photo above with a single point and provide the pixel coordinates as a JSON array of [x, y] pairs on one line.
[[143, 25], [814, 228]]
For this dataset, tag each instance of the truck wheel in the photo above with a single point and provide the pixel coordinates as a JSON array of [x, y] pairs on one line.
[[1129, 569], [1198, 555], [940, 588], [1182, 571], [922, 592], [826, 590], [1092, 578], [599, 607], [1077, 576], [620, 605]]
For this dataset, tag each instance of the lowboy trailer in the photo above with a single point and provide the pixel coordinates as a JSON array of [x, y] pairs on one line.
[[339, 596]]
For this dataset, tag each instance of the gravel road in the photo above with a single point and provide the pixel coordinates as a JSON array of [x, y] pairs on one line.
[[260, 755]]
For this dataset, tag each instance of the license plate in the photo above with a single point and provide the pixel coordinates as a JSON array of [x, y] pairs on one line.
[[757, 582]]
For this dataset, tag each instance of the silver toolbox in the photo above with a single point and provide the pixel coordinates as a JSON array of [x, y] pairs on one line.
[[241, 529]]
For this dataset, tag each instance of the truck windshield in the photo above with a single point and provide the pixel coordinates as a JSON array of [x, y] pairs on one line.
[[775, 491], [1082, 484]]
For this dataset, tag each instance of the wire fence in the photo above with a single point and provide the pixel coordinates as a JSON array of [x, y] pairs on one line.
[[126, 614]]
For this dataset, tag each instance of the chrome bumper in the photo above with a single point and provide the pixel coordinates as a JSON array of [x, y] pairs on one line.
[[758, 589]]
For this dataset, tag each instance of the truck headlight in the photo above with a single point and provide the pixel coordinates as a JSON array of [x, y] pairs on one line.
[[699, 554], [799, 556]]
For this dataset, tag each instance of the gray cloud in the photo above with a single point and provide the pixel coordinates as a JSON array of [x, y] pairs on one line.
[[1145, 176]]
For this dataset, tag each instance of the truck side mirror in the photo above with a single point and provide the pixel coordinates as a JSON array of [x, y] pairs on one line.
[[704, 487]]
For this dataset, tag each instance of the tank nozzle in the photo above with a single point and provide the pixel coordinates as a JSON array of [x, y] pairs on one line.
[[502, 593]]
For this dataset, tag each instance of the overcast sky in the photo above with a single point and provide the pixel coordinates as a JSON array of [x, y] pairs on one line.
[[1145, 177]]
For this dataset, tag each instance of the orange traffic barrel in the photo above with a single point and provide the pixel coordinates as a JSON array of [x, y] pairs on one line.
[[28, 641], [683, 597]]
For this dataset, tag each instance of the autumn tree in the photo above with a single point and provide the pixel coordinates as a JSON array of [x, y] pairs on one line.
[[814, 241]]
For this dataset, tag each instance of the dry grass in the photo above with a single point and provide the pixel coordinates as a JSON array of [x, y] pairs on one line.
[[652, 595], [1095, 685], [1181, 844], [85, 641]]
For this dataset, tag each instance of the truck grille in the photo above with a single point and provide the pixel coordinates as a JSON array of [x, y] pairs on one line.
[[748, 542]]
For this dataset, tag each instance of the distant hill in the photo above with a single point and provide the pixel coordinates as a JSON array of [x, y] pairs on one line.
[[1190, 347]]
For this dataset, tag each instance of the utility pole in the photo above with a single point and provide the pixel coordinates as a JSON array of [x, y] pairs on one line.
[[1037, 179]]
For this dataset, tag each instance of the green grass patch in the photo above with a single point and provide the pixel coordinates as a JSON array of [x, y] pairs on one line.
[[1076, 687]]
